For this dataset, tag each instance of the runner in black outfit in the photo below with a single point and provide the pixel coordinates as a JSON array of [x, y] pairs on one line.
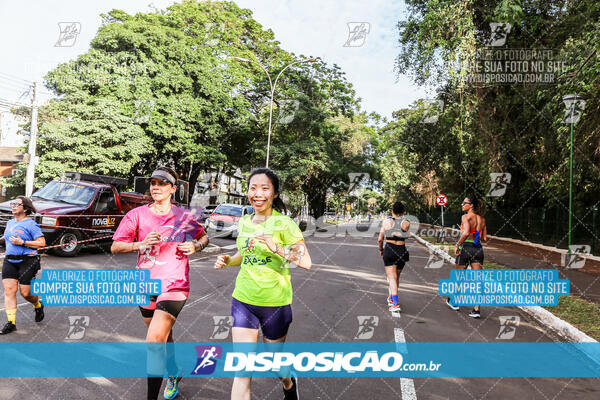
[[395, 255]]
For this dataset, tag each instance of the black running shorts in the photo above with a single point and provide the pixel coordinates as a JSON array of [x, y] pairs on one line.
[[172, 307], [24, 270], [395, 254], [470, 254]]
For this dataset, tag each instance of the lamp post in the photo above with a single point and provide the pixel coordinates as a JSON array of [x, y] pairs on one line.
[[464, 165], [572, 101], [272, 85]]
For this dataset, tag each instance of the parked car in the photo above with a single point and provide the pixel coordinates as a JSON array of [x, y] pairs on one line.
[[224, 219], [77, 207], [202, 213], [209, 209]]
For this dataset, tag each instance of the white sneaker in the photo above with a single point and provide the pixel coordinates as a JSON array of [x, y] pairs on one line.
[[455, 308]]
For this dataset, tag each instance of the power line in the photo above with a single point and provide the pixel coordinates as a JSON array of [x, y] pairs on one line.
[[15, 89], [12, 104], [14, 78], [9, 82]]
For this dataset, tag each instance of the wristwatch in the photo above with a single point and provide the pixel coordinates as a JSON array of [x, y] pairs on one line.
[[196, 243]]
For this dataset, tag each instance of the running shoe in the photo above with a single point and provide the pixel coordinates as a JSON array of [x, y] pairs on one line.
[[292, 393], [172, 388], [8, 328], [390, 302], [475, 314], [39, 313], [394, 308], [455, 308]]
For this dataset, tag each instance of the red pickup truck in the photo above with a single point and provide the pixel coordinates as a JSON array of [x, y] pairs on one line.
[[77, 207]]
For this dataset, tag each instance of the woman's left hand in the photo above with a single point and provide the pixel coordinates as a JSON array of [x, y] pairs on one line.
[[16, 240], [187, 248], [268, 241]]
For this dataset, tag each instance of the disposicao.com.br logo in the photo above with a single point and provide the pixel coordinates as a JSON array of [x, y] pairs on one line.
[[265, 360], [351, 362]]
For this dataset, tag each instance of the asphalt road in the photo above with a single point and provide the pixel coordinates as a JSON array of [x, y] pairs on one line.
[[346, 282]]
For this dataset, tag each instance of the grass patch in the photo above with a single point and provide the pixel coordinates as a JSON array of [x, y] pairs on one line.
[[582, 314]]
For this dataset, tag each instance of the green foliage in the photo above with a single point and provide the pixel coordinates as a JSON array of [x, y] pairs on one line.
[[502, 128], [164, 88]]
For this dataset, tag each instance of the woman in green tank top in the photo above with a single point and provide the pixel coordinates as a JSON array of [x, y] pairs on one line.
[[269, 244]]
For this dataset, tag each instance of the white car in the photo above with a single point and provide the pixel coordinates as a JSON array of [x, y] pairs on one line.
[[223, 221]]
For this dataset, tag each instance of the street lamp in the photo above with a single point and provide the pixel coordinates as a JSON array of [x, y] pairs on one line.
[[572, 102], [464, 165], [272, 85]]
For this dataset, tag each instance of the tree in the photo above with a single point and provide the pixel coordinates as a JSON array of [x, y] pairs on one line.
[[502, 128], [320, 143], [155, 88]]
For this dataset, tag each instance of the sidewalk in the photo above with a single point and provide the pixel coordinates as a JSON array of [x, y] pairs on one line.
[[576, 317], [584, 285], [584, 282]]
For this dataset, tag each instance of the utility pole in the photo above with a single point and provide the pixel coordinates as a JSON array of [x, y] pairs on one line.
[[32, 144]]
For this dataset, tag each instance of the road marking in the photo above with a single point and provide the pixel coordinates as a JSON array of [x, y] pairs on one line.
[[200, 299], [407, 385], [343, 244], [400, 341], [98, 380]]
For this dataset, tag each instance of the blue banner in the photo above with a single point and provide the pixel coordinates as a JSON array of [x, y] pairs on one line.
[[96, 287], [504, 287], [221, 359]]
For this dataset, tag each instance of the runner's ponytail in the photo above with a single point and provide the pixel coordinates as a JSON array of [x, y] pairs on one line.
[[478, 205]]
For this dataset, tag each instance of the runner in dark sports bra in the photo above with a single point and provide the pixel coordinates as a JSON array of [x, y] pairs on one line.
[[395, 231], [469, 248]]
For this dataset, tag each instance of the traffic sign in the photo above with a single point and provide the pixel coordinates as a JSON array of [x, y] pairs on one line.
[[441, 200]]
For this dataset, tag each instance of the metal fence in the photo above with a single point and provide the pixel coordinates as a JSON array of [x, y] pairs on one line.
[[548, 226]]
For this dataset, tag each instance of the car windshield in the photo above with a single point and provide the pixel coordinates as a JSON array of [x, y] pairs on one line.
[[229, 210], [66, 192]]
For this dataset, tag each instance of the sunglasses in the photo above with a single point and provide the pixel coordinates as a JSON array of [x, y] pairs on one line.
[[466, 202], [15, 204]]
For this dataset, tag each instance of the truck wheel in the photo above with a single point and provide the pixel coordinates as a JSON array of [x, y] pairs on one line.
[[71, 249]]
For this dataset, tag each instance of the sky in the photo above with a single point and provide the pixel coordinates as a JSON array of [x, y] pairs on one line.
[[29, 31]]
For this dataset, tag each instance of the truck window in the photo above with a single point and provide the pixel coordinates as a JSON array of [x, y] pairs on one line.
[[105, 202], [66, 192]]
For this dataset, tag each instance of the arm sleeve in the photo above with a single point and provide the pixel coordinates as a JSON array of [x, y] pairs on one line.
[[197, 228], [292, 234], [35, 230], [127, 230]]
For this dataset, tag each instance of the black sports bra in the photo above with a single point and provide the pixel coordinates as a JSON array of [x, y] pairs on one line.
[[402, 233]]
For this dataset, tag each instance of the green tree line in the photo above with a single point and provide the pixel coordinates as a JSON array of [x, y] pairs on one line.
[[164, 87]]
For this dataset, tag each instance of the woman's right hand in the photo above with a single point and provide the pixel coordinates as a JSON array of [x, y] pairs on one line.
[[222, 261], [150, 240]]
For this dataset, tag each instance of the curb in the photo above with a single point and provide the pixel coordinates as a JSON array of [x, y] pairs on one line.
[[545, 317], [551, 255]]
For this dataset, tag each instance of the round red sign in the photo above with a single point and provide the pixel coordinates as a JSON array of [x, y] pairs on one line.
[[441, 200]]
